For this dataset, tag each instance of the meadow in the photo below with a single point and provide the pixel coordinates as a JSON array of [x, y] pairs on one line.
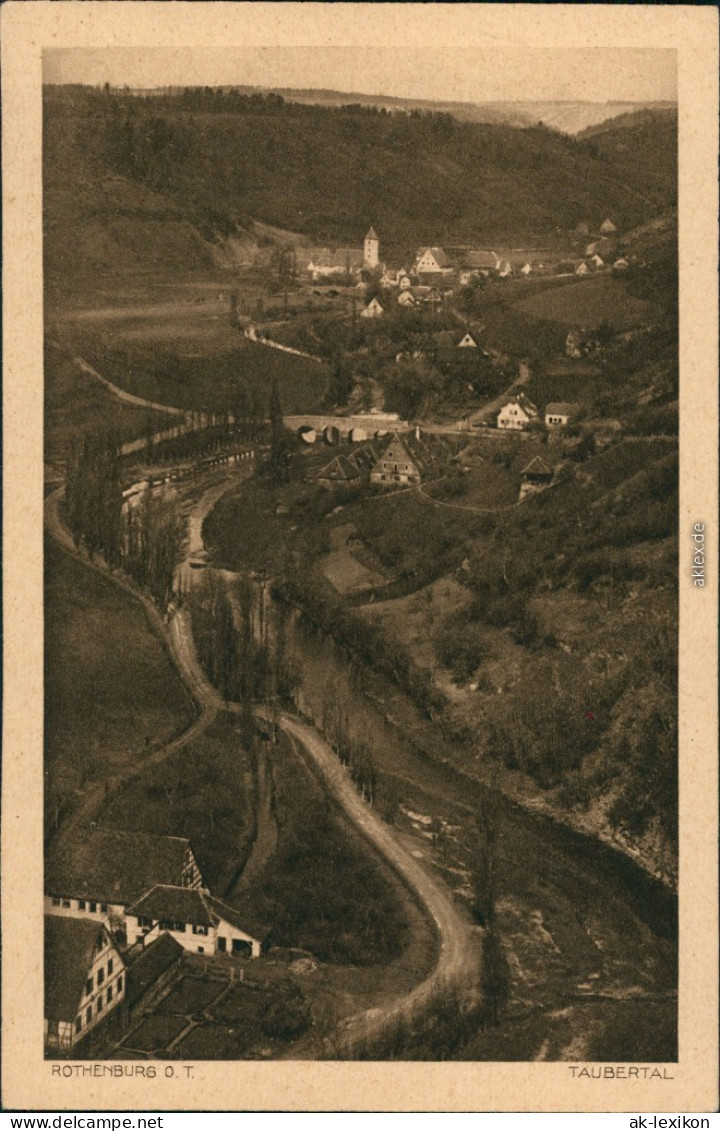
[[111, 693]]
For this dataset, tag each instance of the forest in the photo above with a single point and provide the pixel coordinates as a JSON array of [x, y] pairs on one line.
[[218, 162]]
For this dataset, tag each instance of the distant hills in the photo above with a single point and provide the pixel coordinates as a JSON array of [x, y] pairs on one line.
[[194, 180], [570, 117]]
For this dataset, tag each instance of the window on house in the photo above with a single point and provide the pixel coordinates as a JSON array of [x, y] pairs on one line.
[[88, 1014], [100, 976], [66, 903], [109, 994], [93, 906], [119, 984], [78, 1023], [81, 905], [103, 906], [56, 902], [201, 950], [180, 927], [99, 1004], [89, 986], [110, 967]]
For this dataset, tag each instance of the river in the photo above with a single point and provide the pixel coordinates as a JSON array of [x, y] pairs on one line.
[[588, 936]]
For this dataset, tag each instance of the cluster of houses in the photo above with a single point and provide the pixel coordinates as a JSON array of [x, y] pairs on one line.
[[518, 413], [407, 458], [435, 270], [121, 908]]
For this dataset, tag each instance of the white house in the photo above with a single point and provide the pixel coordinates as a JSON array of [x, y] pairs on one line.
[[404, 281], [560, 413], [583, 269], [517, 414], [526, 269], [597, 261], [342, 261], [84, 979], [195, 919], [406, 298], [607, 227], [432, 261], [100, 872], [372, 310], [467, 342], [621, 264]]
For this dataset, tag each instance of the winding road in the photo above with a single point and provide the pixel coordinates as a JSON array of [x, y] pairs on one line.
[[459, 943]]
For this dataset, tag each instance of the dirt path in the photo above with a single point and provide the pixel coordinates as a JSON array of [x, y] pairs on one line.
[[459, 950], [122, 395], [265, 842], [458, 958]]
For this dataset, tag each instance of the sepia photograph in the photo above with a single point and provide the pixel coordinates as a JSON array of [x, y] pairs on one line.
[[361, 553]]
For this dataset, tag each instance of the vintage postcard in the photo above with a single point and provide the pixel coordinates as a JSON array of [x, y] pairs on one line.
[[360, 582]]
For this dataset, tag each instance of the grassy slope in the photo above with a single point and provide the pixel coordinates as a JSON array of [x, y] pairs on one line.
[[109, 687], [76, 404], [205, 792]]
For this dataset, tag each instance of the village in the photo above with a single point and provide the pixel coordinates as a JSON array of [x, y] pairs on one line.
[[353, 546]]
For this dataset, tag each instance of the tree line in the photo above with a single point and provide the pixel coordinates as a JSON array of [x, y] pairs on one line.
[[143, 540]]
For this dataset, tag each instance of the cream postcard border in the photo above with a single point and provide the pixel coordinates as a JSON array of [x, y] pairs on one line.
[[27, 29]]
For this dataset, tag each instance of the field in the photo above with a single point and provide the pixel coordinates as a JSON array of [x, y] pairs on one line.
[[110, 690], [588, 304], [323, 890], [206, 791], [76, 404], [184, 352]]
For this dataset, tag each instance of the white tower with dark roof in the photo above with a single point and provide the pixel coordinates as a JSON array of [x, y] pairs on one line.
[[371, 250]]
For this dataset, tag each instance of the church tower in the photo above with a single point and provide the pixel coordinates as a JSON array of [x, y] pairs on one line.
[[371, 251]]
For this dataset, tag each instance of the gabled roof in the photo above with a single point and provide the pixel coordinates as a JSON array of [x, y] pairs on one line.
[[537, 466], [153, 961], [115, 866], [70, 946], [521, 400], [341, 257], [167, 901], [561, 408], [187, 905], [438, 254], [607, 226], [371, 235], [479, 259]]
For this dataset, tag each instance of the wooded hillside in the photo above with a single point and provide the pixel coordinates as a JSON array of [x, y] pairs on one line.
[[177, 181]]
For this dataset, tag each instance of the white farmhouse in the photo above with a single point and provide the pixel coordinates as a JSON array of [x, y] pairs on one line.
[[100, 872], [517, 414], [195, 919], [84, 980], [560, 413]]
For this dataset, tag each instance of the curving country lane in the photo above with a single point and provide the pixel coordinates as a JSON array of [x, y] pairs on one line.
[[459, 949]]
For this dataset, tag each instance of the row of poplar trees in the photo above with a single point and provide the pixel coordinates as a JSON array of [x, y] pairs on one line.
[[143, 540]]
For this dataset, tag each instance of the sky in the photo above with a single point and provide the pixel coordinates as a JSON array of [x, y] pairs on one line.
[[524, 74]]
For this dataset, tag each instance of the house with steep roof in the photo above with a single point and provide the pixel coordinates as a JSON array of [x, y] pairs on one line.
[[84, 980], [467, 342], [537, 471], [560, 413], [406, 460], [535, 477], [196, 920], [350, 468], [432, 261], [607, 227], [517, 413], [473, 263], [406, 298], [100, 872], [373, 309], [342, 261]]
